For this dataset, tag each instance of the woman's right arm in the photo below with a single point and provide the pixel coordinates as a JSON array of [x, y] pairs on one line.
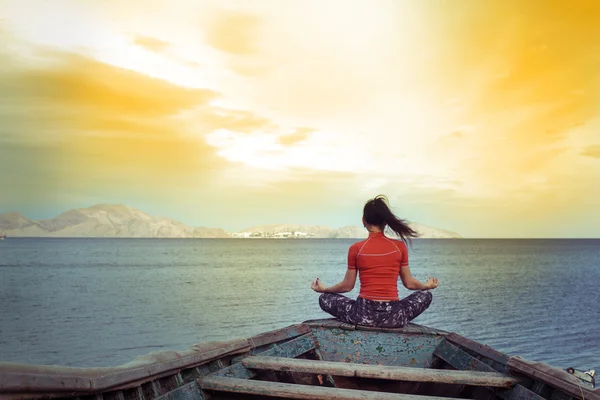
[[349, 279], [412, 283]]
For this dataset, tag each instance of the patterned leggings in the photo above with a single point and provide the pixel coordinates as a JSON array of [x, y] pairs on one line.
[[384, 314]]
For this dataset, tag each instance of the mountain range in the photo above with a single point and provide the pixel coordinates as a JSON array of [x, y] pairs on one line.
[[116, 220]]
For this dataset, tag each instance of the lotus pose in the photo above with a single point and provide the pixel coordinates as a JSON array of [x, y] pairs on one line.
[[378, 261]]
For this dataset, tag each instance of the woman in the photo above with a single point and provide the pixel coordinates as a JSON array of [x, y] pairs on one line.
[[378, 261]]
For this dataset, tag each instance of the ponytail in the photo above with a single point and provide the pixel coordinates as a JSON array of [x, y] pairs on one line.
[[377, 212]]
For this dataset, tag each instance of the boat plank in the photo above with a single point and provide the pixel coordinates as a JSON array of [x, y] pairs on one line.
[[134, 376], [189, 391], [551, 376], [520, 392], [493, 379], [411, 328], [478, 348], [289, 332], [328, 378], [291, 391], [324, 323], [558, 395], [291, 349], [50, 381], [460, 359], [32, 382]]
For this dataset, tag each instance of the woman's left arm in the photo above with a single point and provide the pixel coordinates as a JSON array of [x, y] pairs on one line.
[[343, 287]]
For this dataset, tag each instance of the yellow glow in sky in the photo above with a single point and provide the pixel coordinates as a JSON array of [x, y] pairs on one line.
[[482, 119]]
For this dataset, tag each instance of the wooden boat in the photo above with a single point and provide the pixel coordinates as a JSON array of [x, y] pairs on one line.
[[318, 359]]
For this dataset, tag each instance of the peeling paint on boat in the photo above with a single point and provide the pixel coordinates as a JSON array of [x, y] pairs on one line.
[[381, 348]]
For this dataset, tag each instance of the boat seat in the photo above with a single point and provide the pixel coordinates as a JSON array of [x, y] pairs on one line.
[[410, 374], [292, 391], [336, 323]]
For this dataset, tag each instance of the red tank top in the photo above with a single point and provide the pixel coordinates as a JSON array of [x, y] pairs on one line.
[[378, 260]]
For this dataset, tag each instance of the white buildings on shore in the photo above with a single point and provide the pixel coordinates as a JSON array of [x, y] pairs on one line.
[[273, 235]]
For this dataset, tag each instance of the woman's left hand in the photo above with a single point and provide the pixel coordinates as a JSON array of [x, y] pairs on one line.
[[432, 283], [318, 286]]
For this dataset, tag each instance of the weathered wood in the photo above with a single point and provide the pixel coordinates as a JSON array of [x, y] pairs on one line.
[[122, 379], [48, 380], [278, 335], [347, 327], [155, 389], [139, 393], [411, 328], [328, 378], [290, 391], [32, 383], [542, 389], [519, 392], [559, 395], [190, 391], [492, 379], [460, 359], [291, 349], [324, 323], [552, 376], [367, 347], [478, 348], [236, 371]]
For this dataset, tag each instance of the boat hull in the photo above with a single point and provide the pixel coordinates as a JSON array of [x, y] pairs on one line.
[[318, 358]]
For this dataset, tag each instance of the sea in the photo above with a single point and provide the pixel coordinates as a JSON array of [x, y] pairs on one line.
[[103, 302]]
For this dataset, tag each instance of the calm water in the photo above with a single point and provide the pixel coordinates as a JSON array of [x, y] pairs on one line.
[[101, 302]]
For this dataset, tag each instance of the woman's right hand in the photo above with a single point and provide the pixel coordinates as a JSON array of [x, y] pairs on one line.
[[432, 283], [318, 286]]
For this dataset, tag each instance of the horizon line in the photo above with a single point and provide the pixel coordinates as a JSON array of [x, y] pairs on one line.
[[295, 238]]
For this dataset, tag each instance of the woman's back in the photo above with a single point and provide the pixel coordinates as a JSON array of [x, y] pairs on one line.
[[378, 260]]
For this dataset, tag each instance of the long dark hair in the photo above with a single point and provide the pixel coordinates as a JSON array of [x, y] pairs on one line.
[[377, 212]]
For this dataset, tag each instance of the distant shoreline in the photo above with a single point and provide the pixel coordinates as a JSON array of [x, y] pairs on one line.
[[8, 239], [233, 238], [194, 238]]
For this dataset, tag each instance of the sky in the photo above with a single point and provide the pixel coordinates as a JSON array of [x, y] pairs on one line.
[[477, 116]]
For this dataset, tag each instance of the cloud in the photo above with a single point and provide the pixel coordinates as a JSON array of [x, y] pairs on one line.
[[83, 94], [233, 32], [106, 120], [264, 150], [214, 118], [523, 81], [75, 126], [151, 43], [297, 136], [91, 86], [591, 151]]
